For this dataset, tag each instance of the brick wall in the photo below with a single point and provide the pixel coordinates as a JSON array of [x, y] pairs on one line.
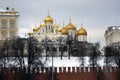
[[60, 73]]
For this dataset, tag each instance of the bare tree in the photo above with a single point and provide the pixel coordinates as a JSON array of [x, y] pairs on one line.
[[94, 56], [81, 53], [112, 54], [116, 51]]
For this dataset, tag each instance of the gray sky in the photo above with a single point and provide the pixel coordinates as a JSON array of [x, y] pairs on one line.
[[96, 15]]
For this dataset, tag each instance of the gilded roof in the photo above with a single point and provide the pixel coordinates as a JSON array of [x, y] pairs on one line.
[[82, 31], [70, 26], [48, 19], [64, 31]]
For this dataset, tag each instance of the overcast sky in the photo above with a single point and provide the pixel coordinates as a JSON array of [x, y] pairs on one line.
[[96, 15]]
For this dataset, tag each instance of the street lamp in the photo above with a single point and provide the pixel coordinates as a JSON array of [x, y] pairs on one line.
[[50, 43], [60, 47], [52, 60]]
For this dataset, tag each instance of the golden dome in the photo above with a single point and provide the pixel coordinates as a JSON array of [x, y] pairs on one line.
[[64, 31], [35, 29], [48, 19], [30, 33], [42, 25], [70, 26], [82, 31], [38, 28], [59, 30], [55, 26]]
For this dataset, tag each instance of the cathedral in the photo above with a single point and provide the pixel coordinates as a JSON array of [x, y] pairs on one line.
[[65, 39], [52, 31]]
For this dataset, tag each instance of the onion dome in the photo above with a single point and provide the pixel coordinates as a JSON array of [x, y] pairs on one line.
[[30, 33], [70, 26], [59, 30], [55, 26], [38, 28], [48, 19], [35, 29], [42, 25], [82, 31], [64, 31]]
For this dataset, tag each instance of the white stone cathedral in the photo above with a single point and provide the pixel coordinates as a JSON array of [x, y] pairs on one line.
[[50, 32]]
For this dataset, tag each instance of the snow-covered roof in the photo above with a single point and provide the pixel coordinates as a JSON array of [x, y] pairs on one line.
[[2, 10], [8, 12]]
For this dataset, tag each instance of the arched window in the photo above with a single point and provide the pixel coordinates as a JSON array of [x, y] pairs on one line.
[[49, 27], [46, 29], [12, 35], [12, 24], [4, 35], [43, 30], [4, 24]]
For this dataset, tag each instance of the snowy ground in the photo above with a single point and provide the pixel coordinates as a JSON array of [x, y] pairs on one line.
[[57, 61], [72, 62]]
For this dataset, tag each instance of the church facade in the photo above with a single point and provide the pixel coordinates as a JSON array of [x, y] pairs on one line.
[[52, 31], [56, 39]]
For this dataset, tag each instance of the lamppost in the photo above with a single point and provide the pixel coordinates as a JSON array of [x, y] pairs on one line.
[[51, 52], [46, 44], [69, 41], [32, 50], [52, 59], [60, 47]]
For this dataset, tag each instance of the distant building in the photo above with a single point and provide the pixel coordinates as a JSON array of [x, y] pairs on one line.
[[8, 23], [112, 35]]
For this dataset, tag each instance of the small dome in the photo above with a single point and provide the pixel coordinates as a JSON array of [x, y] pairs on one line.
[[55, 26], [82, 31], [70, 26], [42, 25], [48, 19], [35, 29], [64, 31], [38, 28], [30, 33], [59, 30]]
